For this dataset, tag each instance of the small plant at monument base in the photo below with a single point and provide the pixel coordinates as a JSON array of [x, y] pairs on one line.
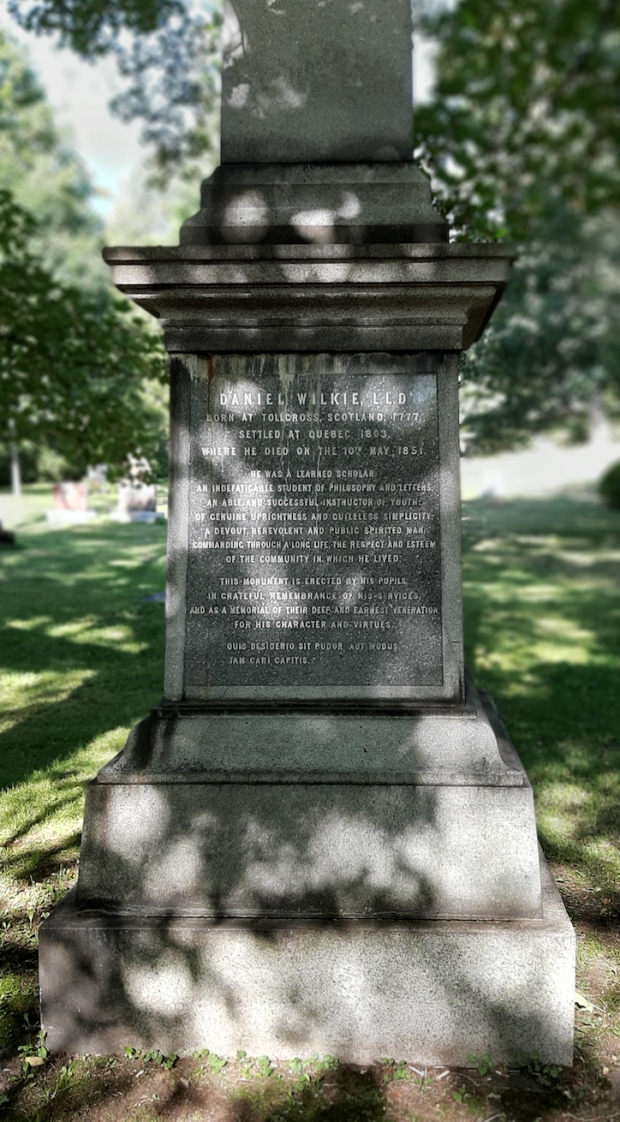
[[296, 1068], [163, 1059], [264, 1067], [327, 1063], [545, 1074], [484, 1065], [33, 1055], [396, 1070], [215, 1063]]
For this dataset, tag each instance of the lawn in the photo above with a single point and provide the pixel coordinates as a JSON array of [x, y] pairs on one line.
[[81, 661]]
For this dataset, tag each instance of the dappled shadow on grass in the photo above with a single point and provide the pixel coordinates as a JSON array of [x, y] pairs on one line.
[[34, 863], [542, 618], [115, 1090], [80, 656], [348, 1094], [74, 612]]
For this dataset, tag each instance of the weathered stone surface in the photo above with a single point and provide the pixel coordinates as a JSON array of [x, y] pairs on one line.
[[303, 81], [330, 534], [306, 298], [432, 992], [320, 204], [297, 850], [335, 818], [458, 745]]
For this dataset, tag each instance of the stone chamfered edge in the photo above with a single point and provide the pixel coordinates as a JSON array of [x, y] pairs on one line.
[[337, 298], [465, 745], [433, 991], [427, 816], [446, 794], [315, 258]]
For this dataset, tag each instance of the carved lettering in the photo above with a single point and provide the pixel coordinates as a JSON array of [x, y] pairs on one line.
[[314, 509]]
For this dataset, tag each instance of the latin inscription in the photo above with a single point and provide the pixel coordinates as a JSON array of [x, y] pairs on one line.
[[314, 550]]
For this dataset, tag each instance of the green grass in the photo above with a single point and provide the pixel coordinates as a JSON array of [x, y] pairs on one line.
[[81, 661], [542, 611]]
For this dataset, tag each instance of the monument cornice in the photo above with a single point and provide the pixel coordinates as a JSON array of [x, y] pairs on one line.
[[313, 298]]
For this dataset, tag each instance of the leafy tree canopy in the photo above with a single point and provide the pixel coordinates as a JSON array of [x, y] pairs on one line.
[[92, 27], [525, 117], [169, 56], [79, 370], [73, 362], [39, 167], [550, 359], [521, 140]]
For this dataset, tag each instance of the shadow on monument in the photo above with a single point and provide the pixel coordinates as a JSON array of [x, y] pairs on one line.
[[278, 916], [174, 986]]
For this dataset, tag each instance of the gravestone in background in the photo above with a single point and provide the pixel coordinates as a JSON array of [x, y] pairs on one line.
[[137, 502], [321, 839], [70, 504]]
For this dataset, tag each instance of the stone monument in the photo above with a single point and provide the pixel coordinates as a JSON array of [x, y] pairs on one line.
[[321, 839]]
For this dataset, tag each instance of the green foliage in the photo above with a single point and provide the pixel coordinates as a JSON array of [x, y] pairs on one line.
[[45, 176], [165, 1060], [324, 1063], [525, 117], [215, 1063], [521, 141], [263, 1065], [609, 486], [72, 362], [395, 1070], [91, 27], [545, 1074], [551, 355], [77, 367], [483, 1064], [173, 89], [168, 55]]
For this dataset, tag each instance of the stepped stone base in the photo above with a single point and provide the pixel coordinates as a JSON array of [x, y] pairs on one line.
[[427, 991], [427, 816]]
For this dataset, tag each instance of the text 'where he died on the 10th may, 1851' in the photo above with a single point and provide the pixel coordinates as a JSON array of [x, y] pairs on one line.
[[314, 533]]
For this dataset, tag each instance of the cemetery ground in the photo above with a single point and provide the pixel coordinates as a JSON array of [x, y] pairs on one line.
[[80, 660]]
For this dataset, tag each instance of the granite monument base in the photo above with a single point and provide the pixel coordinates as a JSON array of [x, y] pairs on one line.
[[425, 815], [360, 915], [428, 991]]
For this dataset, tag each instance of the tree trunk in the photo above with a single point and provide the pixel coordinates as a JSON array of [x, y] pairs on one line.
[[16, 471]]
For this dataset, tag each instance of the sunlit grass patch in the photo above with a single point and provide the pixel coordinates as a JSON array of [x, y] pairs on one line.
[[23, 692], [542, 635], [81, 656]]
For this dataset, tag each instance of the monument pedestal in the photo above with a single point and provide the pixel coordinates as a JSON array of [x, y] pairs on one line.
[[313, 816], [280, 911], [431, 991], [321, 840]]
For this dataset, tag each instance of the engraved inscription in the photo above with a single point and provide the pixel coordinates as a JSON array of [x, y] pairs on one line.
[[314, 532]]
